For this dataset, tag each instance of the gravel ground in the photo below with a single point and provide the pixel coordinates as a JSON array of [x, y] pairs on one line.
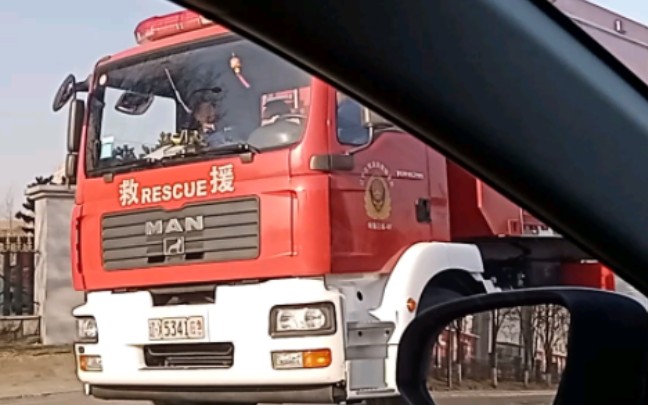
[[45, 376], [35, 370]]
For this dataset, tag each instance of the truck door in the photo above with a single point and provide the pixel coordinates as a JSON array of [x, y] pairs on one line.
[[375, 206]]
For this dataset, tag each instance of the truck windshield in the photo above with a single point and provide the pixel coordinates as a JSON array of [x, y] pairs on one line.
[[191, 101]]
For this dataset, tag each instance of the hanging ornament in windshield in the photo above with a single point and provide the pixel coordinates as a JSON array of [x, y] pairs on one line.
[[235, 65]]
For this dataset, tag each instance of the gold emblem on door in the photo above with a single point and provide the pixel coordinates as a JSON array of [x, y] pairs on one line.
[[377, 198]]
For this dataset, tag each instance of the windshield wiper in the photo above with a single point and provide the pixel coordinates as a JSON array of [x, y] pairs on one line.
[[240, 148], [187, 155], [114, 167]]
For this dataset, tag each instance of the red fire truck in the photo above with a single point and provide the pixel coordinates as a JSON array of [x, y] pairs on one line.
[[243, 232]]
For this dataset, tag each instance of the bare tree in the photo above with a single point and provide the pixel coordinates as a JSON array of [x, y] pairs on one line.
[[456, 331], [27, 213], [459, 327], [551, 325], [9, 208], [449, 351], [525, 319], [498, 318]]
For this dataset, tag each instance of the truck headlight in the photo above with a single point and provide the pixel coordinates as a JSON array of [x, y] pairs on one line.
[[87, 331], [302, 320]]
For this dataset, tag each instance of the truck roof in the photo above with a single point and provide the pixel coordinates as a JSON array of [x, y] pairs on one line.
[[625, 38], [188, 36]]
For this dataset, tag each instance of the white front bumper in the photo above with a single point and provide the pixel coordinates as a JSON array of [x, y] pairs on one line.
[[240, 315]]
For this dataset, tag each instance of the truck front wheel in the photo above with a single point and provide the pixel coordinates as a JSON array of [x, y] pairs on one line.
[[436, 295], [385, 401]]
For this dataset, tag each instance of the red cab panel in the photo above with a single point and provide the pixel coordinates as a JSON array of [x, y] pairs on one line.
[[78, 281], [248, 227], [478, 211], [383, 204]]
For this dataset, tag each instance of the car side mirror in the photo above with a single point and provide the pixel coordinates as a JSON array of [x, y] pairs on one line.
[[606, 346], [132, 103]]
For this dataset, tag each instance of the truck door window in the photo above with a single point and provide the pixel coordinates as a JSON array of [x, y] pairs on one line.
[[350, 130]]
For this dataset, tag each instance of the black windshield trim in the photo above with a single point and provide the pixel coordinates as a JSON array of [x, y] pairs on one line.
[[181, 47], [154, 164]]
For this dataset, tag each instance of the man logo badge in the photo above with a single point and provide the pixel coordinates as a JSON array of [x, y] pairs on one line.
[[174, 246], [174, 225]]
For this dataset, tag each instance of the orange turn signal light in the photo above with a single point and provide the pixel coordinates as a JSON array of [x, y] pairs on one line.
[[89, 363], [411, 304], [317, 358]]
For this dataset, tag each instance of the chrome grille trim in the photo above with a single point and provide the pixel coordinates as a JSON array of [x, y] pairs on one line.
[[231, 231]]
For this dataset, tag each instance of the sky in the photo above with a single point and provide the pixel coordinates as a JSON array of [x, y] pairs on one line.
[[44, 40], [41, 42]]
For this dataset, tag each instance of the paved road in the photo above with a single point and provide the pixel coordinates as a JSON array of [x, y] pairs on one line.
[[78, 399], [520, 400]]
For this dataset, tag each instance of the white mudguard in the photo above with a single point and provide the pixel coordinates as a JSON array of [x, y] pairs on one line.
[[421, 263]]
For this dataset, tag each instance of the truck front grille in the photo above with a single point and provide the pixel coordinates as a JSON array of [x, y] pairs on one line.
[[206, 232], [200, 355]]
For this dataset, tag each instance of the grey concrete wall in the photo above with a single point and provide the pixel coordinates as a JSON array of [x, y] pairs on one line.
[[19, 329], [53, 290]]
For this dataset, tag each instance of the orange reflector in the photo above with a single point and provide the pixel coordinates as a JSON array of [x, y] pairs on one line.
[[89, 363], [317, 358], [411, 304]]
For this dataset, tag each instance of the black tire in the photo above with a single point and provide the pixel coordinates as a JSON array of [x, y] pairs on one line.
[[190, 403], [170, 403], [436, 295], [385, 401]]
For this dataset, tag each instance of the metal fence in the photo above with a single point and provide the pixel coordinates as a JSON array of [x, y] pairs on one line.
[[17, 275]]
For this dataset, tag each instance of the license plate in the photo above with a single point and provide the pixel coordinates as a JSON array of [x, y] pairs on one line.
[[192, 327]]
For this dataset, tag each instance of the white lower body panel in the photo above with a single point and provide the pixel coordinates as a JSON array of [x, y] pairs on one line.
[[240, 315]]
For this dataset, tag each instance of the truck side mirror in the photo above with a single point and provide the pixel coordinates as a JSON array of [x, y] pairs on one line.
[[373, 122], [71, 161], [64, 93], [132, 103], [370, 119], [75, 125]]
